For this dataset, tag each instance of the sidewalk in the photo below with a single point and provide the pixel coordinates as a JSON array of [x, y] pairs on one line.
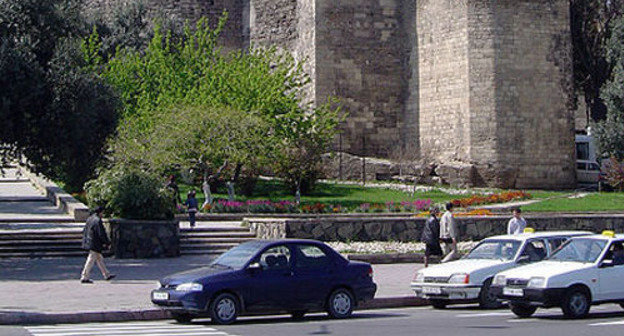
[[48, 290]]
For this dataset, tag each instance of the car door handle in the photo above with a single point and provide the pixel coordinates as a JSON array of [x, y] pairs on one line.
[[290, 273]]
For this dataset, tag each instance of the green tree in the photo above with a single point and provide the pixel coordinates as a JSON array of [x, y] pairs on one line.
[[53, 112], [610, 132], [591, 22], [241, 108]]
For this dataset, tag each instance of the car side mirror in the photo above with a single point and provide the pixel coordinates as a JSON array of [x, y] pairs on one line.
[[524, 259], [254, 267], [606, 263]]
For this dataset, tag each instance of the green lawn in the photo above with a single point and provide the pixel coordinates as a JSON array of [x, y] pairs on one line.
[[611, 201], [346, 195]]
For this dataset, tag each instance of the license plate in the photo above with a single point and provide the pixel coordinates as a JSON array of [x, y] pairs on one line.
[[431, 290], [513, 291], [160, 296]]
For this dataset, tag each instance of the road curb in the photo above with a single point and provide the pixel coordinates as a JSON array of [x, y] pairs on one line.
[[28, 318]]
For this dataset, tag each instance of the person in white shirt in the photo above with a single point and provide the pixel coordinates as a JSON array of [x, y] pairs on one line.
[[516, 224], [449, 234]]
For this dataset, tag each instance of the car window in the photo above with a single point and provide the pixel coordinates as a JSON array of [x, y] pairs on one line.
[[310, 256], [555, 243], [615, 253], [581, 166], [275, 258], [580, 250], [535, 250], [238, 256], [494, 249], [582, 150], [594, 166]]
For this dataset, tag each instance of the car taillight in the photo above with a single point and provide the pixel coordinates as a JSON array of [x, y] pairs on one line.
[[370, 272]]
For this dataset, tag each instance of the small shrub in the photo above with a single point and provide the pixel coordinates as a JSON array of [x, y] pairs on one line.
[[131, 194]]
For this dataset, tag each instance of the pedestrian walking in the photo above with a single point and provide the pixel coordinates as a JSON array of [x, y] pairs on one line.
[[431, 236], [517, 224], [94, 240], [191, 206], [449, 234], [173, 186]]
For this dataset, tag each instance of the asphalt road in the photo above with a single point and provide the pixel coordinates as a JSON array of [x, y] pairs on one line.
[[456, 320]]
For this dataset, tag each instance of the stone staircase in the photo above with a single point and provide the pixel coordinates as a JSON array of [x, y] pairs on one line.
[[43, 240], [207, 239]]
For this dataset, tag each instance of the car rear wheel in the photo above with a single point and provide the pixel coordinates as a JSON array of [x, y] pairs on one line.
[[224, 309], [487, 299], [438, 304], [182, 317], [575, 303], [340, 303], [522, 310], [622, 305]]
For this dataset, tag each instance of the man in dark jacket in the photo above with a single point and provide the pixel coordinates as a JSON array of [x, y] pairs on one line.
[[430, 236], [94, 239]]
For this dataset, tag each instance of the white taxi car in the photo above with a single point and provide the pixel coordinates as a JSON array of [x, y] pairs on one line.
[[468, 279], [584, 271]]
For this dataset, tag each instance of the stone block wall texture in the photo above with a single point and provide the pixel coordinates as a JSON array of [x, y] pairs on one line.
[[235, 34], [409, 229], [479, 87], [144, 239]]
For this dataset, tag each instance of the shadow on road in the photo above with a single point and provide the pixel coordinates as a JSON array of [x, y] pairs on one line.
[[53, 269], [314, 317]]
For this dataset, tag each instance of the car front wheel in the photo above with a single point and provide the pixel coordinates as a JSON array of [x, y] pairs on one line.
[[340, 303], [522, 311], [224, 309], [575, 304], [487, 299]]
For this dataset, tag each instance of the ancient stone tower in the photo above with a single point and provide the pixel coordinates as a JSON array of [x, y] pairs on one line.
[[479, 87]]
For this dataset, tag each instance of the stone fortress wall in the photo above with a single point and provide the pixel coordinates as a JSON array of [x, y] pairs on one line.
[[480, 88]]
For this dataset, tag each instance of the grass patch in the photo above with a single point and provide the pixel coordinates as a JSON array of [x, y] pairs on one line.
[[612, 201], [346, 195]]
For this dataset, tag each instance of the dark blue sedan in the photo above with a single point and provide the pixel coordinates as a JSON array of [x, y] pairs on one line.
[[263, 277]]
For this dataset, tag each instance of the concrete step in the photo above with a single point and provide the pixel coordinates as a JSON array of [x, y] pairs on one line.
[[216, 235], [212, 241], [215, 229], [39, 242], [209, 252], [38, 249], [40, 220], [47, 254]]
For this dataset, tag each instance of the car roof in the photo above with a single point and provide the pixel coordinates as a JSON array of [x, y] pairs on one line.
[[541, 234], [605, 237]]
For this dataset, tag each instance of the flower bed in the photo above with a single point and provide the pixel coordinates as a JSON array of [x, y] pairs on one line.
[[502, 197], [265, 206]]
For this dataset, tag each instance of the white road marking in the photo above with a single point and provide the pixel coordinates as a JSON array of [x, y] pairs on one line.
[[483, 315], [606, 323], [122, 329]]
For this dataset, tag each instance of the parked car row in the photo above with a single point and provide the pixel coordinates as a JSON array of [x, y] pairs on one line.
[[570, 269]]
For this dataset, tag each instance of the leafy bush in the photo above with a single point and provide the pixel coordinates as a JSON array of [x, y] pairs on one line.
[[131, 194], [614, 173]]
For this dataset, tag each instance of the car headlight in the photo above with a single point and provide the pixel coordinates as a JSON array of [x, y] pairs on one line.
[[499, 280], [537, 282], [419, 277], [459, 278], [189, 287], [158, 285]]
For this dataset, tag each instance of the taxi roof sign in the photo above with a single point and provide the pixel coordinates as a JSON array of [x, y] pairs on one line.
[[608, 233], [529, 230]]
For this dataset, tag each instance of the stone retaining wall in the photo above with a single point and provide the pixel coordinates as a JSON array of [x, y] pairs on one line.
[[407, 229], [143, 238]]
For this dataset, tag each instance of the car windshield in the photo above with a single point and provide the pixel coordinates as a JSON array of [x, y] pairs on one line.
[[238, 256], [585, 250], [494, 249]]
